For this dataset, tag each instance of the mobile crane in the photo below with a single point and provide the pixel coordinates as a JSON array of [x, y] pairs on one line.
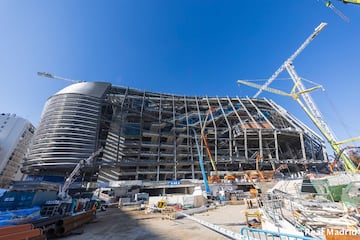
[[63, 192]]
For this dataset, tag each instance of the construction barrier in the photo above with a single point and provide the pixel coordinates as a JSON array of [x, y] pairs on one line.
[[264, 234], [223, 231]]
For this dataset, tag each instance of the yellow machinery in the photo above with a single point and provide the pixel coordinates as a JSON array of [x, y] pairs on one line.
[[260, 173], [256, 219], [161, 203]]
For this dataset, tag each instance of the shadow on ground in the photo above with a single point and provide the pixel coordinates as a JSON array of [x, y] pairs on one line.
[[114, 224]]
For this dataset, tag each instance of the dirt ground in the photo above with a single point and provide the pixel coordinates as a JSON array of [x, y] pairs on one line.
[[133, 224]]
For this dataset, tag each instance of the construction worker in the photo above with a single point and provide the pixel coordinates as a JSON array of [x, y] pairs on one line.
[[95, 207]]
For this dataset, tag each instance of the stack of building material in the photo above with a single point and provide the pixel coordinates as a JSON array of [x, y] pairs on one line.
[[20, 232], [68, 224]]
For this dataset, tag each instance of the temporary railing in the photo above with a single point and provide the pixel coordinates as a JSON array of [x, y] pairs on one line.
[[223, 231], [261, 234]]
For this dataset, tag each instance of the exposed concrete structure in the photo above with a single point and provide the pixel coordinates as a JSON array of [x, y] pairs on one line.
[[148, 136], [15, 137]]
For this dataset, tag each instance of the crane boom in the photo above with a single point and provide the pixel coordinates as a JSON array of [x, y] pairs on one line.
[[330, 136], [69, 180], [310, 108], [351, 1], [48, 75], [315, 115], [318, 29], [207, 188], [203, 136], [348, 140], [319, 122]]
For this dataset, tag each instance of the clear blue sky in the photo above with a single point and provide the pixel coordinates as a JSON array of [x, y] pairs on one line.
[[186, 47]]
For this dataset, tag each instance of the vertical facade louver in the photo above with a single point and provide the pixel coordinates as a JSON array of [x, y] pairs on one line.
[[150, 136], [68, 129]]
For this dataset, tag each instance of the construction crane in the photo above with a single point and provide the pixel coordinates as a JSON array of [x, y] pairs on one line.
[[333, 165], [215, 178], [310, 108], [319, 122], [48, 75], [289, 61], [201, 162], [69, 180]]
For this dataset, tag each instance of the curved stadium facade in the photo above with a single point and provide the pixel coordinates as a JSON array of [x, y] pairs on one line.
[[151, 136]]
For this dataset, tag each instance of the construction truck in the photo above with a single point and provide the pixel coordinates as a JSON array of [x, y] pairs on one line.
[[106, 196]]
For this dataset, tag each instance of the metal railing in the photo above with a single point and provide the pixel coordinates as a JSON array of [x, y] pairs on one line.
[[260, 234]]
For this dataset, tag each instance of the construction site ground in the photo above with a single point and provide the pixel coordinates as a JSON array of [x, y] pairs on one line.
[[115, 223]]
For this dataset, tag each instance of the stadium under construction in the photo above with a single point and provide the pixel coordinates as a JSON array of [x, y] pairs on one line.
[[151, 136]]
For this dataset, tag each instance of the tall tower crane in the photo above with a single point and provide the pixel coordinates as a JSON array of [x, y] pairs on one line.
[[309, 107]]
